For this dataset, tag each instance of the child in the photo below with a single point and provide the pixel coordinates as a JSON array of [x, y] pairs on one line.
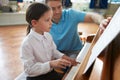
[[38, 51]]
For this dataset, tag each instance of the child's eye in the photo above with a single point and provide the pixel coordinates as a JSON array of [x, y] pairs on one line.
[[47, 20]]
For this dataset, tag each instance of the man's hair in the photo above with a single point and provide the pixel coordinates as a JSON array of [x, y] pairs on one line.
[[46, 1]]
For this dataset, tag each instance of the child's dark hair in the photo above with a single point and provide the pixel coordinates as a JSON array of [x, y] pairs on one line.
[[35, 11]]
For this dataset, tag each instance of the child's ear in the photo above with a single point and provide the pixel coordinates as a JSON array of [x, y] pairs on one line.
[[34, 22]]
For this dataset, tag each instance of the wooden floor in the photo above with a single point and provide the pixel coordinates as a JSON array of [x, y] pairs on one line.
[[10, 40]]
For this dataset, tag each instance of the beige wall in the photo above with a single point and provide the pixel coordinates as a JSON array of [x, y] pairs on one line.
[[105, 12]]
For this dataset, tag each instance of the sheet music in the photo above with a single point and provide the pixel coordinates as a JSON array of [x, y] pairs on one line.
[[83, 52], [79, 58], [108, 35]]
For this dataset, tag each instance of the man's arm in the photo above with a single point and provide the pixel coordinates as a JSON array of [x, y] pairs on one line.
[[93, 17]]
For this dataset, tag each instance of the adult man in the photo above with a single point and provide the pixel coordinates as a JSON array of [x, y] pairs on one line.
[[64, 27]]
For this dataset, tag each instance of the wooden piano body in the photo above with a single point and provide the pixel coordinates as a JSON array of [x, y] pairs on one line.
[[106, 65]]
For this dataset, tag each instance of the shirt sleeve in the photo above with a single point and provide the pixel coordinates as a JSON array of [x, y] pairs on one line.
[[56, 54], [31, 66], [78, 16]]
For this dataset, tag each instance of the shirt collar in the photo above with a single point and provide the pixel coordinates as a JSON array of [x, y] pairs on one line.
[[37, 35], [63, 17]]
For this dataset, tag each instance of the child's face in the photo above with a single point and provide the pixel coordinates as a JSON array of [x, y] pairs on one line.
[[44, 23]]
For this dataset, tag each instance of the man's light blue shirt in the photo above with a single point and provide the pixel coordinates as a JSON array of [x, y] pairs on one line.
[[64, 33]]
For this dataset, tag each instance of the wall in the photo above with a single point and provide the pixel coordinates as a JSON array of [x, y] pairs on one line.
[[84, 6], [16, 18], [112, 9]]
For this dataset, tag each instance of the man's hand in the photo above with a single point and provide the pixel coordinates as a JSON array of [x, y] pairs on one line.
[[104, 23]]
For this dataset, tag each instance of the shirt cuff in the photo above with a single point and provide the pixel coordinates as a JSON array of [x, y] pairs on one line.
[[46, 67], [60, 55]]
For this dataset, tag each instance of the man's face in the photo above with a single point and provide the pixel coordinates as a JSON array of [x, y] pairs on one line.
[[57, 9]]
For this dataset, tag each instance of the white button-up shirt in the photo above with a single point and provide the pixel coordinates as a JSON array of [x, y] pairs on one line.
[[36, 52]]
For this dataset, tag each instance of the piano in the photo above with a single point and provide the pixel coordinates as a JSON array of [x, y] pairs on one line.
[[99, 58]]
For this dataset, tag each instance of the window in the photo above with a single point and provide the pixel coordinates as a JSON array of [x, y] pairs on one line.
[[115, 0], [79, 1]]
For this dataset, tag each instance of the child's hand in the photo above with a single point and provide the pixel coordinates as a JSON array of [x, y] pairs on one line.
[[73, 61], [60, 63]]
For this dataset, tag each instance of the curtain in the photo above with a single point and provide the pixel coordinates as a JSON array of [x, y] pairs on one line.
[[67, 3], [100, 4], [19, 0]]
